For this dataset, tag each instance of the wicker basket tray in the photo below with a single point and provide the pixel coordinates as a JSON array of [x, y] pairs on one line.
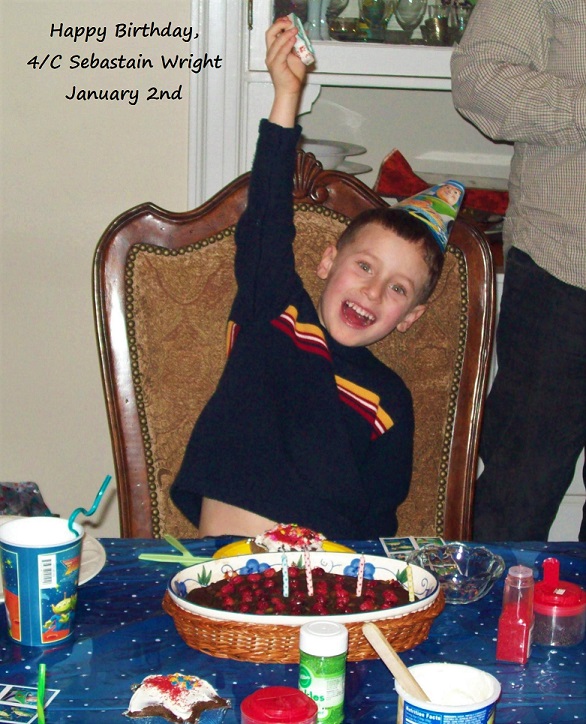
[[266, 643]]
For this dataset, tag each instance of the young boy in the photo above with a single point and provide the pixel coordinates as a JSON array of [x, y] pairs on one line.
[[306, 424]]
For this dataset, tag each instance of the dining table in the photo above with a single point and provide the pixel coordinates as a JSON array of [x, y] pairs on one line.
[[122, 635]]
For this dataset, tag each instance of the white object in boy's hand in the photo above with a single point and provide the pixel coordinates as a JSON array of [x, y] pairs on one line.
[[303, 48]]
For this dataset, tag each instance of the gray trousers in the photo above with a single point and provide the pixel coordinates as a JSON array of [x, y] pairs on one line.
[[535, 419]]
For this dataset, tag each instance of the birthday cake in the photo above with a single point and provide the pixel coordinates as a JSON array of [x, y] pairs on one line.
[[321, 594], [285, 537], [177, 698]]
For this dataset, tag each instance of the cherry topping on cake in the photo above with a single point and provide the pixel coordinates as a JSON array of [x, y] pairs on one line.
[[262, 593]]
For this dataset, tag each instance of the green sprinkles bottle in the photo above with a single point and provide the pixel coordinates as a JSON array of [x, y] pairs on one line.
[[323, 646]]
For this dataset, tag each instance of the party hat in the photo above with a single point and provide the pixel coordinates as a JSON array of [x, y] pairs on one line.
[[437, 207]]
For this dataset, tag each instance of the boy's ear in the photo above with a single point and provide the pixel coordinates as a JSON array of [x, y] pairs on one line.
[[327, 259], [411, 317]]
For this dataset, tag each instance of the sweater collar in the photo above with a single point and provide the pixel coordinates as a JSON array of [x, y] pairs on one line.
[[353, 355]]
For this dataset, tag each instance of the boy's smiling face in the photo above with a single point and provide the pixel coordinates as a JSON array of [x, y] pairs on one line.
[[373, 284]]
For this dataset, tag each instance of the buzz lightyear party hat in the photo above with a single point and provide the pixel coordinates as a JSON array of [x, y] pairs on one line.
[[437, 207]]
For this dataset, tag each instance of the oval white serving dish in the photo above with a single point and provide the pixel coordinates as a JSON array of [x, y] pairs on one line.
[[425, 585]]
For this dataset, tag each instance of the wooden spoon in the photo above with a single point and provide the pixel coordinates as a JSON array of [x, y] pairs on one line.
[[392, 661]]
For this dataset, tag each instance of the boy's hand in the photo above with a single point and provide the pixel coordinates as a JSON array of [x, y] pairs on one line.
[[287, 71]]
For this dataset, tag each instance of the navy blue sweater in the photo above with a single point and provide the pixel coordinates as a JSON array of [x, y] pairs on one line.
[[300, 428]]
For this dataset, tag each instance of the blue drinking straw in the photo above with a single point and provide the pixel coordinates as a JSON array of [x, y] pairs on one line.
[[93, 509]]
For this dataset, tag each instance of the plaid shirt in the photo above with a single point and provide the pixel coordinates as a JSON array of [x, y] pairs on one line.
[[519, 74]]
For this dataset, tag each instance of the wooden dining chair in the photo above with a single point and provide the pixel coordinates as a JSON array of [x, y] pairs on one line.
[[163, 287]]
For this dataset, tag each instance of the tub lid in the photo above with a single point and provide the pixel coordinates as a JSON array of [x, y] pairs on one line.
[[555, 597]]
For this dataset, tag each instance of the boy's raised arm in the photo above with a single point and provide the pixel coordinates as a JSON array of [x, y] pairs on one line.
[[287, 72], [264, 262]]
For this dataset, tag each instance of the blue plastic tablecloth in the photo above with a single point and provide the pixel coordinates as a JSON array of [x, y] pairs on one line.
[[122, 635]]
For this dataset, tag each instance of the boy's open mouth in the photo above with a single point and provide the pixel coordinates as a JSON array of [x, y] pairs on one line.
[[356, 315]]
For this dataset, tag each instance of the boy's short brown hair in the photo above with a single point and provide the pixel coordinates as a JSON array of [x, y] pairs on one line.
[[408, 228]]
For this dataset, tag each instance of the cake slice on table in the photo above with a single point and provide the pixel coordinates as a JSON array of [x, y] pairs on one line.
[[177, 698], [285, 537]]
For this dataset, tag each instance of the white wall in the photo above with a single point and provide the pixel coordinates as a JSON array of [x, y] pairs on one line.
[[68, 168]]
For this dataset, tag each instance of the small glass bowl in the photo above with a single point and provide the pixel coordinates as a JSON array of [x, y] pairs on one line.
[[466, 572]]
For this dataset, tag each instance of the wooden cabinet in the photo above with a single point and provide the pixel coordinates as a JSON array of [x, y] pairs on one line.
[[225, 111], [365, 65]]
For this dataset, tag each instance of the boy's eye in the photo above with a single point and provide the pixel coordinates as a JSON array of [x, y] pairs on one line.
[[398, 288], [364, 266]]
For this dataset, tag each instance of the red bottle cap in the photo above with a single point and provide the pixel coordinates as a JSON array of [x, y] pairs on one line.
[[557, 598], [278, 705]]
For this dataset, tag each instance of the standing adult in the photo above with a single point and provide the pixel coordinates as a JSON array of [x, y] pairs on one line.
[[519, 75]]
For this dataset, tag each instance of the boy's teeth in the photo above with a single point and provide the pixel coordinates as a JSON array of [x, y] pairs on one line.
[[359, 310]]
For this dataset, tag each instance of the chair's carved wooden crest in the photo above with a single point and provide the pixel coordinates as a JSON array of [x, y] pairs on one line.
[[308, 179]]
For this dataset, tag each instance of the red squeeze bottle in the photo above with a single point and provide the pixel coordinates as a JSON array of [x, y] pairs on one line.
[[516, 620]]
